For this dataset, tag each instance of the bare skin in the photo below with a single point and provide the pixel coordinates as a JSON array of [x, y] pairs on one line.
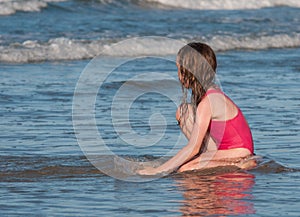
[[211, 157], [213, 107]]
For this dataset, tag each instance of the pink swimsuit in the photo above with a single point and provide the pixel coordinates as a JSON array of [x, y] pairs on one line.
[[233, 133]]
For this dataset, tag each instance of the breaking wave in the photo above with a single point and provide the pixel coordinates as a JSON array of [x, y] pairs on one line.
[[226, 4], [8, 7], [58, 49]]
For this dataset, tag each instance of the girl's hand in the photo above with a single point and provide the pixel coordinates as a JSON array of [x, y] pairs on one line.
[[148, 171]]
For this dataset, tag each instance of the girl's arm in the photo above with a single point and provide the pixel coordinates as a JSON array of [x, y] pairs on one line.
[[203, 117]]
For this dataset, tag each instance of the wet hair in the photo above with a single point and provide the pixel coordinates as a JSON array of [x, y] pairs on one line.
[[197, 65]]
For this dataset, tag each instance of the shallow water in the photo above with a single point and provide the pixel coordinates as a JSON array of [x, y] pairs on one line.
[[44, 172], [43, 169], [71, 186]]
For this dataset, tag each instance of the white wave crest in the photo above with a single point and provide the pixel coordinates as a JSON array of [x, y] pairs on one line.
[[8, 7], [226, 4], [54, 49], [68, 49], [224, 43]]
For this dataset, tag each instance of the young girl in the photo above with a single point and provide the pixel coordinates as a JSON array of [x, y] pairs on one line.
[[217, 131]]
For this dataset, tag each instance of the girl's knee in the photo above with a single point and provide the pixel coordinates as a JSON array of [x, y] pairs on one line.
[[184, 112], [185, 118], [189, 166], [183, 168]]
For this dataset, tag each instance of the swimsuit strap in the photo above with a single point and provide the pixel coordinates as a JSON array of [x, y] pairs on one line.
[[214, 91], [220, 92]]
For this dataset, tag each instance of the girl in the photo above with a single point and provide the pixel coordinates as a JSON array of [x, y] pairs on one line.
[[217, 131]]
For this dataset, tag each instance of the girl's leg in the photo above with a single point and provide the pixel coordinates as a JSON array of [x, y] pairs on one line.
[[185, 117], [209, 159]]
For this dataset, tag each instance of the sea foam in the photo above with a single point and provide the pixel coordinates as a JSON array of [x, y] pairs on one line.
[[8, 7], [226, 4], [70, 49]]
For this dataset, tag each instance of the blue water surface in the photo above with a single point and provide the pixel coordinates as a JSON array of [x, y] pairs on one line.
[[43, 170]]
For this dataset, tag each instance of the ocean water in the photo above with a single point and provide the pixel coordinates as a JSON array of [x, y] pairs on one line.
[[97, 77]]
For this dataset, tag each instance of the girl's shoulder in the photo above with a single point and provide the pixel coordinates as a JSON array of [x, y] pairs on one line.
[[214, 91], [219, 103]]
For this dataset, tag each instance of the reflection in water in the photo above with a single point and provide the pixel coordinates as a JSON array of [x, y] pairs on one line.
[[224, 194]]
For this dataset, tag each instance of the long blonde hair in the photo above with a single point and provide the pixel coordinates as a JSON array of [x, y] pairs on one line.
[[197, 65]]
